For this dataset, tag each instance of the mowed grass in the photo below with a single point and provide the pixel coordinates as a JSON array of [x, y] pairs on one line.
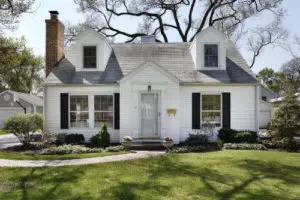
[[3, 132], [21, 156], [215, 175]]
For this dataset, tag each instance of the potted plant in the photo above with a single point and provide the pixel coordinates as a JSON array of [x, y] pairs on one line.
[[168, 143], [127, 142]]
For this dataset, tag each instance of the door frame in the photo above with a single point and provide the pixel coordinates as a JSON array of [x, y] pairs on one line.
[[158, 108]]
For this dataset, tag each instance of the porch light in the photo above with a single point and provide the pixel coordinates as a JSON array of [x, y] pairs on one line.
[[149, 88]]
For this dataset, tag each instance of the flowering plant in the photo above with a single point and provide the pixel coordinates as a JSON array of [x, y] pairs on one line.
[[127, 139], [168, 139]]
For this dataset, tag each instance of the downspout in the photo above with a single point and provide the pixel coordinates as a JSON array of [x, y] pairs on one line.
[[45, 106], [257, 99]]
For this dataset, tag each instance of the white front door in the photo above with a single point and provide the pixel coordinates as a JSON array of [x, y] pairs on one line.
[[150, 114]]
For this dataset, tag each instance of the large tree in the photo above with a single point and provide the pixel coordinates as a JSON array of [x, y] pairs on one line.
[[11, 11], [20, 69], [186, 18], [274, 80], [291, 70]]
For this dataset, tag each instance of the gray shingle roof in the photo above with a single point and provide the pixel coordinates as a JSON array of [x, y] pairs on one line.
[[30, 98], [172, 57]]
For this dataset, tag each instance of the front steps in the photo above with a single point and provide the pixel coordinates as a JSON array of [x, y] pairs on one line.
[[147, 144]]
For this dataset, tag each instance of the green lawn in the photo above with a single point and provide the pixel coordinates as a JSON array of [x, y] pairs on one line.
[[215, 175], [21, 156], [3, 132]]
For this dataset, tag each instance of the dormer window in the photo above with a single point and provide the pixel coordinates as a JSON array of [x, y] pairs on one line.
[[211, 55], [89, 57]]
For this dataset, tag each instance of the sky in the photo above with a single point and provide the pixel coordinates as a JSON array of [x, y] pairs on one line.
[[32, 27]]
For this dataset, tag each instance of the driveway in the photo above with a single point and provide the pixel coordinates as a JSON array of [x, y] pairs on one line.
[[8, 140]]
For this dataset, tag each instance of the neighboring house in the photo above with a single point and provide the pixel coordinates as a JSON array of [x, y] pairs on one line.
[[266, 109], [277, 101], [12, 102], [147, 89]]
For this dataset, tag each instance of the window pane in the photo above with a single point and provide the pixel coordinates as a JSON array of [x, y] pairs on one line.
[[89, 51], [211, 102], [79, 103], [104, 117], [79, 119], [211, 55], [90, 56], [211, 118], [104, 103]]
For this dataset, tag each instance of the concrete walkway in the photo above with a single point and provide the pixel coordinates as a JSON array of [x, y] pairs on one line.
[[85, 161]]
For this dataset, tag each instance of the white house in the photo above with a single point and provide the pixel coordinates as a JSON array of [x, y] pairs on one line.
[[147, 89]]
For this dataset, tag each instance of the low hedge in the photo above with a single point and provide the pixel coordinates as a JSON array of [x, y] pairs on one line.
[[115, 148], [244, 146], [198, 148], [289, 145], [196, 139], [234, 136], [74, 138], [70, 149]]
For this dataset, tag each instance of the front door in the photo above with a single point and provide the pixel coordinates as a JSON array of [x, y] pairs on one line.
[[149, 114]]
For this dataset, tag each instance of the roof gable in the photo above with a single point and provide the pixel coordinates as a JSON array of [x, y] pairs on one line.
[[153, 66]]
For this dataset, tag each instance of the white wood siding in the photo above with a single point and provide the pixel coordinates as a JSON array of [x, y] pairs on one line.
[[243, 107], [52, 108], [89, 38], [209, 36]]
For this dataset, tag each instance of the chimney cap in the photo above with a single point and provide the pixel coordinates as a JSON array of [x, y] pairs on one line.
[[148, 39], [53, 12]]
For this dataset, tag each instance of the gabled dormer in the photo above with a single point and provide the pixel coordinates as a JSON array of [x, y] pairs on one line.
[[208, 50], [90, 51]]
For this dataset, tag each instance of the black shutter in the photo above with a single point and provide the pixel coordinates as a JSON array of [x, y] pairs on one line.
[[226, 110], [117, 111], [196, 111], [64, 111]]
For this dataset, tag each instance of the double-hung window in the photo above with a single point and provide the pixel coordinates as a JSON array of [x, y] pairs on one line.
[[211, 55], [211, 110], [79, 111], [104, 110], [89, 56]]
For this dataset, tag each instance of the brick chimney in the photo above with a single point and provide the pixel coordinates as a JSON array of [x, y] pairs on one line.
[[54, 41]]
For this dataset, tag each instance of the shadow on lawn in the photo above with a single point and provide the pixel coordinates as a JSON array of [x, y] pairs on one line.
[[44, 183], [208, 180]]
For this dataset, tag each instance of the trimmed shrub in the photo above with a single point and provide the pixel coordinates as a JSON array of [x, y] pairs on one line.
[[244, 146], [22, 124], [286, 144], [60, 138], [95, 140], [233, 136], [104, 136], [196, 139], [115, 148], [49, 138], [69, 149], [198, 148], [227, 135], [245, 137], [74, 138]]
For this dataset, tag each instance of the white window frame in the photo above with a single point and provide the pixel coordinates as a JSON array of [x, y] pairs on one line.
[[103, 111], [207, 111], [78, 95], [218, 47]]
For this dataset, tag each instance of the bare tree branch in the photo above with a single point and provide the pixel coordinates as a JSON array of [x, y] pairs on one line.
[[163, 17], [268, 35]]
